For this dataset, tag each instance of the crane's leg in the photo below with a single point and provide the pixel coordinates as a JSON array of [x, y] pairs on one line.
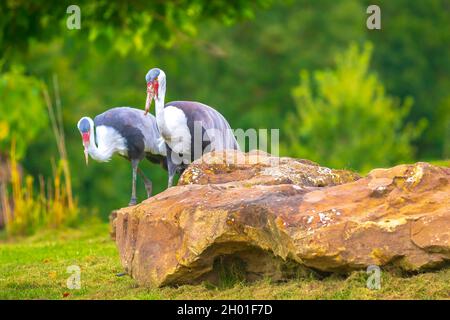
[[134, 165], [171, 165], [147, 182], [172, 169]]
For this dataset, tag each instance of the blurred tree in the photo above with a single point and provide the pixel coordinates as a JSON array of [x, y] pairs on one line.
[[253, 65], [116, 40], [344, 119], [246, 70], [22, 110], [118, 25], [412, 56]]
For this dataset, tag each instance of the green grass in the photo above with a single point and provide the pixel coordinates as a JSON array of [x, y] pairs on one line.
[[35, 268], [443, 163]]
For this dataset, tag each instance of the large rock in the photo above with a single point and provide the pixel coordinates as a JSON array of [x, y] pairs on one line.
[[280, 216]]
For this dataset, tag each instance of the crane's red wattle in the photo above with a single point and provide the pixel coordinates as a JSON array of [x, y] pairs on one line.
[[155, 88], [152, 88], [85, 136]]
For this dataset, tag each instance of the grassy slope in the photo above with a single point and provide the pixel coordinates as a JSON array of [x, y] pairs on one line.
[[35, 268]]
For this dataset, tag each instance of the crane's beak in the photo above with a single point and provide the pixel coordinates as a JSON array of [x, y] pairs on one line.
[[152, 92], [86, 138], [86, 156], [148, 102]]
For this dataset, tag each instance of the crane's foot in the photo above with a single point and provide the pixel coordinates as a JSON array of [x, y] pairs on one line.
[[133, 202]]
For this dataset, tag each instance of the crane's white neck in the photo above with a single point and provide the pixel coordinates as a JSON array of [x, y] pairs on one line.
[[102, 154], [159, 102]]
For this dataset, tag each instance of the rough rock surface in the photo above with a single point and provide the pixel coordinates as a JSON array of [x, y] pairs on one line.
[[280, 216]]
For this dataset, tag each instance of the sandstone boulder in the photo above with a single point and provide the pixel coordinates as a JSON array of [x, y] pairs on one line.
[[277, 217]]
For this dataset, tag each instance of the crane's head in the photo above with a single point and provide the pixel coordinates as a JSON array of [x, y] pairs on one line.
[[84, 126], [156, 86]]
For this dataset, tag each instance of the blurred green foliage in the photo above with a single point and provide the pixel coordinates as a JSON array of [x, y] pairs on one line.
[[412, 56], [22, 109], [243, 58], [118, 25], [347, 120]]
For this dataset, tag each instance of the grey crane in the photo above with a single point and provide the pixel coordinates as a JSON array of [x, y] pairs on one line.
[[188, 128], [127, 132]]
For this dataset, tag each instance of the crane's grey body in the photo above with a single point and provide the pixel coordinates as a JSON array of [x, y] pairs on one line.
[[128, 132], [210, 122], [140, 132]]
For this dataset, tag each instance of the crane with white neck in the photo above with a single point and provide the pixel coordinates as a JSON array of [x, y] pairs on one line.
[[188, 128], [127, 132]]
